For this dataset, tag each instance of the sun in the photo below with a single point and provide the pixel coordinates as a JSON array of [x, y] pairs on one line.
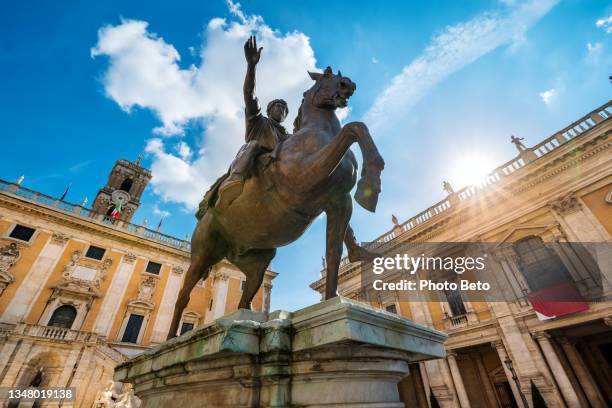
[[471, 169]]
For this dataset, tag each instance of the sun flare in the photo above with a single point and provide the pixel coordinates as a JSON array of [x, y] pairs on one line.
[[470, 170]]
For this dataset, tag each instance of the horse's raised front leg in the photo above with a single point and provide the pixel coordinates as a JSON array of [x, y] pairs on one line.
[[338, 215], [326, 160]]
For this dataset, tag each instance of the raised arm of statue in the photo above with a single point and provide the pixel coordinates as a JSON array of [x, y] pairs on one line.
[[252, 54]]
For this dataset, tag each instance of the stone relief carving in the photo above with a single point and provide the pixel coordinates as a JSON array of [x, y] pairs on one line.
[[81, 286], [8, 257], [179, 270], [129, 258], [146, 289], [566, 205], [101, 271], [59, 238], [609, 197]]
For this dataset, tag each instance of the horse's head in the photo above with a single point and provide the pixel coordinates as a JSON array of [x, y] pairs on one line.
[[331, 91]]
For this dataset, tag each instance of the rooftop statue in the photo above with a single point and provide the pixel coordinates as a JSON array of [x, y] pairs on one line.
[[279, 183]]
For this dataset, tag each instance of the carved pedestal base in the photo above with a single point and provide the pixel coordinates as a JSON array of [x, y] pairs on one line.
[[337, 353]]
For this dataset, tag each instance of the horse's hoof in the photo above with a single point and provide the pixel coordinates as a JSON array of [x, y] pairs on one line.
[[367, 195], [360, 254]]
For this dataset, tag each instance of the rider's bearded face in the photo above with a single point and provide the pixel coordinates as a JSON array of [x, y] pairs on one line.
[[278, 112]]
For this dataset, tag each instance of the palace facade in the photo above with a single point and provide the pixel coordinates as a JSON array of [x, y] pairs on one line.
[[508, 353], [82, 289]]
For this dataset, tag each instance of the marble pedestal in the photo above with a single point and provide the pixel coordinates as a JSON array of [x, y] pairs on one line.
[[338, 353]]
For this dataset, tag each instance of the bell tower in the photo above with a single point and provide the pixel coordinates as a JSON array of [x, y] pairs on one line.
[[120, 197]]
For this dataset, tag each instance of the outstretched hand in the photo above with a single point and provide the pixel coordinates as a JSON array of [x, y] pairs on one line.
[[251, 53]]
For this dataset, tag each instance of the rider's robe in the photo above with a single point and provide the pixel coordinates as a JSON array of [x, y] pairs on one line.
[[268, 133]]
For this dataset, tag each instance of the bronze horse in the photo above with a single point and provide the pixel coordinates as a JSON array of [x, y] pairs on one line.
[[314, 171]]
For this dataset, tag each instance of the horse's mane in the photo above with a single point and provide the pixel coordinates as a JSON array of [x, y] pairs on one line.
[[297, 122]]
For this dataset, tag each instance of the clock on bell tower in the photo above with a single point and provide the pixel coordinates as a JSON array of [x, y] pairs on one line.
[[120, 197]]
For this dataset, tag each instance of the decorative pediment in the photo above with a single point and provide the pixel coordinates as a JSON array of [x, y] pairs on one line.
[[521, 231], [144, 298]]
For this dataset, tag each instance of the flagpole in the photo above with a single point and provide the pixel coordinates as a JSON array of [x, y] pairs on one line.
[[65, 191]]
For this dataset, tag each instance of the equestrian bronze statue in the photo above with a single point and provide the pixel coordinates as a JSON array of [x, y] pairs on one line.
[[279, 183]]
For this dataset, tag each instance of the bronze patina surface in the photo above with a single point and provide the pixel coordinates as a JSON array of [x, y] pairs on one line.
[[278, 184]]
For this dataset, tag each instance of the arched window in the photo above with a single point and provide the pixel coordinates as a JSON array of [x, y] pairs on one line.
[[63, 316], [541, 266], [38, 378], [455, 302], [126, 185]]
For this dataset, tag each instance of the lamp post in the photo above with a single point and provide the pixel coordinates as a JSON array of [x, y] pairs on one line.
[[510, 366]]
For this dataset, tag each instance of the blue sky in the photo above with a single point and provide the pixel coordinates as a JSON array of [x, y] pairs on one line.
[[442, 86]]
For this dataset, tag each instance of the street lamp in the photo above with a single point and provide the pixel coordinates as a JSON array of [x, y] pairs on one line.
[[510, 366]]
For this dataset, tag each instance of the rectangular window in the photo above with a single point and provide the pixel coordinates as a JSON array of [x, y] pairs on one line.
[[242, 283], [210, 304], [153, 267], [22, 233], [94, 252], [186, 327], [391, 309], [132, 329]]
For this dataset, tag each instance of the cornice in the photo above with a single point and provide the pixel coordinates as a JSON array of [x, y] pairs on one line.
[[87, 226], [567, 165]]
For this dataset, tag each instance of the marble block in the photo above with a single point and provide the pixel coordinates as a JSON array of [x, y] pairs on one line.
[[338, 353]]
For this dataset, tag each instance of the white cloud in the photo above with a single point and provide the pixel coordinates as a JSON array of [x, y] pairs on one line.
[[374, 60], [605, 23], [144, 72], [161, 213], [548, 95], [456, 47], [594, 50], [184, 150]]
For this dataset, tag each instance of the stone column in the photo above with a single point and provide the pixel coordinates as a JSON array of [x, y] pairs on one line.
[[35, 280], [267, 292], [464, 401], [582, 374], [437, 371], [558, 372], [166, 308], [79, 380], [21, 357], [68, 366], [503, 356], [221, 285], [485, 380], [6, 352], [114, 295], [425, 379]]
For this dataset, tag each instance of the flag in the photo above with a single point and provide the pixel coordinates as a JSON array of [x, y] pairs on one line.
[[117, 210], [65, 192], [558, 300], [161, 221]]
